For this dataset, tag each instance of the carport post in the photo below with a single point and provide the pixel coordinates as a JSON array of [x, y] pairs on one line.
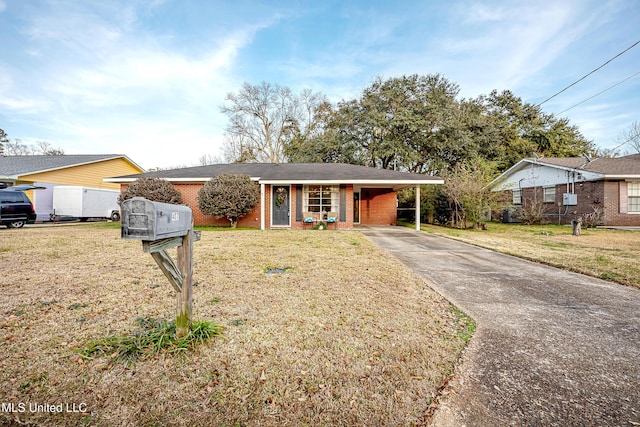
[[417, 208], [262, 206]]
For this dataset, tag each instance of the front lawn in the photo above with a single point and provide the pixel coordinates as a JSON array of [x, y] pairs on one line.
[[346, 335], [604, 253]]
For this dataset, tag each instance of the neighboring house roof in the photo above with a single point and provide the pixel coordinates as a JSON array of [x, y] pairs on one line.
[[617, 166], [285, 173], [12, 167], [627, 167]]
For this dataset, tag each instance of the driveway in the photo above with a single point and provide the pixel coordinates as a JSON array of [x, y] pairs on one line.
[[551, 348]]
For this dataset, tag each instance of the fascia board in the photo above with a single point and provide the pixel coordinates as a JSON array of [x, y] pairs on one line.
[[352, 181], [179, 180], [628, 176], [508, 172]]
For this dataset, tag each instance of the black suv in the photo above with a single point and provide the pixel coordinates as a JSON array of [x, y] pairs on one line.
[[15, 208]]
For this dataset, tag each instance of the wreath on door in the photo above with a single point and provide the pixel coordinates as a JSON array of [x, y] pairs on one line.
[[281, 196]]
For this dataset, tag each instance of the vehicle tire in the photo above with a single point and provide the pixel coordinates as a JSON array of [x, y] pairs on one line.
[[115, 216], [15, 224]]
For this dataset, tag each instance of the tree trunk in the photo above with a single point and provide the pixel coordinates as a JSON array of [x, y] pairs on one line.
[[576, 226]]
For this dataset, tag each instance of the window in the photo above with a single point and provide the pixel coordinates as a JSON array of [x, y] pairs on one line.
[[633, 193], [517, 197], [321, 198], [550, 194]]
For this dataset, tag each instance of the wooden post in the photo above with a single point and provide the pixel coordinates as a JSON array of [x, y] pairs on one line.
[[184, 298], [180, 274]]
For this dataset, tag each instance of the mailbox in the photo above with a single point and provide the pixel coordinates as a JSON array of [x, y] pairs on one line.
[[144, 219]]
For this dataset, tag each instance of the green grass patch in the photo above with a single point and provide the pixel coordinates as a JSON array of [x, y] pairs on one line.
[[469, 325], [152, 337], [603, 253]]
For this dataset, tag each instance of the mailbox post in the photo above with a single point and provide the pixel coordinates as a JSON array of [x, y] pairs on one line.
[[161, 226]]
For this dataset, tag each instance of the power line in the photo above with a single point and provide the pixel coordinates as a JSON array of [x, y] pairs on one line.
[[597, 94], [637, 135], [588, 74]]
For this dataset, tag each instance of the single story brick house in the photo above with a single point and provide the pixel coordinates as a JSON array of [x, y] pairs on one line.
[[577, 186], [299, 195]]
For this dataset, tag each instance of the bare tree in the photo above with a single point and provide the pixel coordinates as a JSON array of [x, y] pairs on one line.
[[631, 137], [3, 140], [264, 119], [208, 159], [18, 148], [469, 195]]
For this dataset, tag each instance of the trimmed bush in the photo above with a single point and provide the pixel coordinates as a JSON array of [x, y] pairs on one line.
[[155, 189], [230, 196]]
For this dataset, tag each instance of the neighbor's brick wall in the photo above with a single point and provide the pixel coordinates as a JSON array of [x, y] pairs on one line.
[[612, 203], [598, 194], [378, 206]]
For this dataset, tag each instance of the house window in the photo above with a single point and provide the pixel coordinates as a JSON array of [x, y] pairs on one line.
[[517, 197], [633, 193], [550, 194], [321, 198]]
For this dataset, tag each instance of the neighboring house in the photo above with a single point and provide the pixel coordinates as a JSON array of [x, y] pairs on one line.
[[87, 170], [578, 186], [292, 192]]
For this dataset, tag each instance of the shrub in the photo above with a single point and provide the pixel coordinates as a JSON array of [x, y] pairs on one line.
[[532, 211], [156, 189], [230, 196]]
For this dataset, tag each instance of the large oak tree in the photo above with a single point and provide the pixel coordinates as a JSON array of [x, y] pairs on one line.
[[265, 118]]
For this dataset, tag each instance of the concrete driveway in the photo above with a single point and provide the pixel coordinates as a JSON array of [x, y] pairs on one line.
[[552, 348]]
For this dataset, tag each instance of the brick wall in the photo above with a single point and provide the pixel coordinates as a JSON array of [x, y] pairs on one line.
[[190, 198], [341, 225], [612, 205], [378, 206], [591, 194]]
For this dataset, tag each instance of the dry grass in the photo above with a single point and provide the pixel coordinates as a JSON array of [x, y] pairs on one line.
[[346, 336], [604, 253]]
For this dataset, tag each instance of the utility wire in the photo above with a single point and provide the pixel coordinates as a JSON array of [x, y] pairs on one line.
[[597, 94], [588, 74], [631, 138]]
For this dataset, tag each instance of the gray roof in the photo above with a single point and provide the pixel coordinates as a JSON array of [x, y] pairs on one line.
[[627, 165], [15, 166], [615, 168], [289, 172]]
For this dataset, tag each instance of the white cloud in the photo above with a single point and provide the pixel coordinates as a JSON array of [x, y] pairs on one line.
[[117, 89]]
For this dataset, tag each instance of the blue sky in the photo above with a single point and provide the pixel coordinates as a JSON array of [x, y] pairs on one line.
[[147, 78]]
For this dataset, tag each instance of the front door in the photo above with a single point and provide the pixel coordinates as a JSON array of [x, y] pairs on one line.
[[280, 205]]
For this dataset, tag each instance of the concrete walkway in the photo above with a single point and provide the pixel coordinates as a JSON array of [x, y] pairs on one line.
[[552, 348]]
